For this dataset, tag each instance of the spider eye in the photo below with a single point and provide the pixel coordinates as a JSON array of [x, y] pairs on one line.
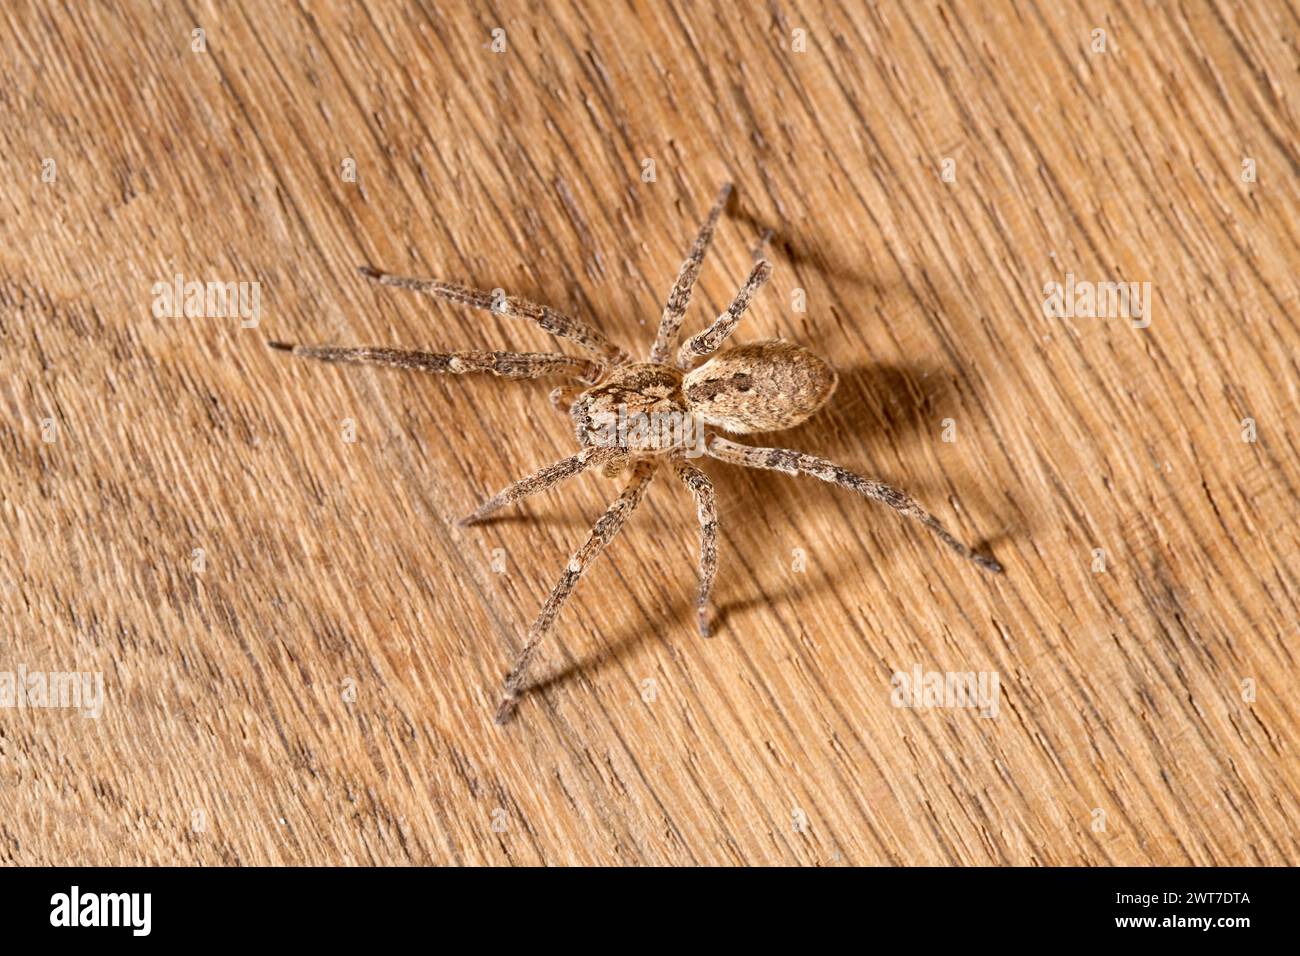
[[763, 386]]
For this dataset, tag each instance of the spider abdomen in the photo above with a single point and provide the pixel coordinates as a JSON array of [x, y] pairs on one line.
[[763, 386]]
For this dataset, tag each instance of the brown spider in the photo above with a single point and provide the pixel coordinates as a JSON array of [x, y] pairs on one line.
[[763, 386]]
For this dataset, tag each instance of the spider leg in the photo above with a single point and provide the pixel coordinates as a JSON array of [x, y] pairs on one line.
[[675, 308], [505, 364], [708, 341], [795, 463], [706, 508], [609, 525], [540, 481], [557, 323]]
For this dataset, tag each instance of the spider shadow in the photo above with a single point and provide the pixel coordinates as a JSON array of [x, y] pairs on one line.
[[675, 620], [532, 519], [793, 248]]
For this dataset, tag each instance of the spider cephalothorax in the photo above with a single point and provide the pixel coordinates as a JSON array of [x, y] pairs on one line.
[[646, 395], [638, 415]]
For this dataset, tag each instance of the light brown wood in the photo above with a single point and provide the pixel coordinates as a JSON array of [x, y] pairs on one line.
[[321, 689]]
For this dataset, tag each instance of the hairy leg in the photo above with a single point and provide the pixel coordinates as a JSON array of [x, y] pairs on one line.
[[706, 509], [609, 525], [557, 323], [506, 364], [708, 341], [795, 463], [540, 481], [680, 297]]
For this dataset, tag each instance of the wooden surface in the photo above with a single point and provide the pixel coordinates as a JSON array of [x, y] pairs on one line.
[[320, 690]]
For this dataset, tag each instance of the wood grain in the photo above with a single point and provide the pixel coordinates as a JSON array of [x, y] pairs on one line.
[[321, 689]]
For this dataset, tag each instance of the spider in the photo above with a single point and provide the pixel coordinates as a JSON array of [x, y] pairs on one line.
[[763, 386]]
